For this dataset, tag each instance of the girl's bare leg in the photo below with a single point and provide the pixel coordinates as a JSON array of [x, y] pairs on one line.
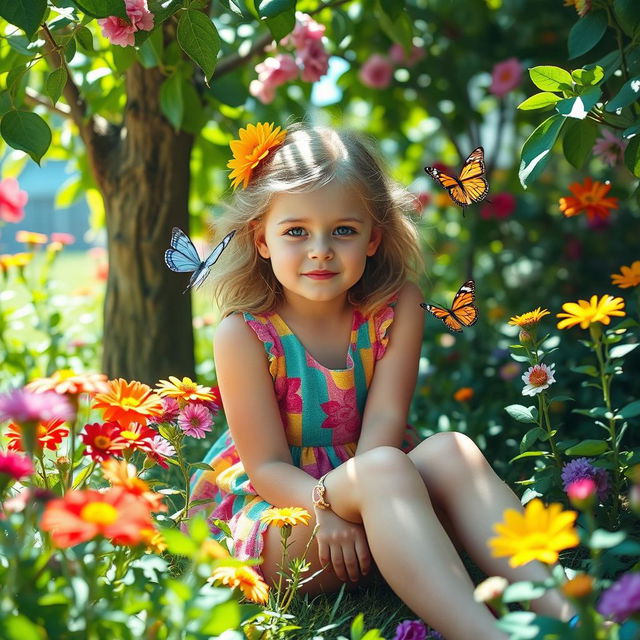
[[462, 483], [382, 489]]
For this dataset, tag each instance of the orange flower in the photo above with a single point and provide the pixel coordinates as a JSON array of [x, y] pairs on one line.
[[121, 474], [69, 382], [82, 515], [31, 237], [578, 587], [154, 541], [463, 394], [589, 197], [253, 146], [629, 276], [49, 435], [126, 402], [211, 549], [185, 389], [246, 579]]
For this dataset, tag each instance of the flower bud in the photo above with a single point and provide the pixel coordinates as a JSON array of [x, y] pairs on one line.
[[490, 589], [578, 587], [63, 463], [582, 494], [525, 337]]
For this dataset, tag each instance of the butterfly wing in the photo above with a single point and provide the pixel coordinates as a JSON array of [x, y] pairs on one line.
[[474, 165], [183, 256], [198, 277], [463, 308], [443, 314]]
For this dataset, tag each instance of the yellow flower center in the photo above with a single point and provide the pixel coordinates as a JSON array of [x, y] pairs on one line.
[[125, 403], [99, 513], [102, 442], [538, 377], [129, 435], [65, 374], [187, 387]]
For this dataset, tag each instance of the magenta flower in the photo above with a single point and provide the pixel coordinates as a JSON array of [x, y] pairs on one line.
[[582, 493], [398, 56], [120, 32], [505, 77], [15, 465], [195, 420], [609, 148], [305, 31], [411, 630], [171, 409], [12, 200], [314, 61], [622, 599], [376, 72], [24, 406]]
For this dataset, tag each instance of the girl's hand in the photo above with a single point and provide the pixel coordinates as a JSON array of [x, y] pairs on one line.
[[342, 545]]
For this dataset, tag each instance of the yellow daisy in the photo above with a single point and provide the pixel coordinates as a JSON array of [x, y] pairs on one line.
[[529, 319], [629, 276], [253, 146], [185, 389], [286, 516], [538, 534], [586, 313], [246, 579]]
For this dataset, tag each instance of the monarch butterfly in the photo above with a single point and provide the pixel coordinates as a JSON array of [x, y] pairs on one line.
[[463, 312], [471, 187], [184, 257]]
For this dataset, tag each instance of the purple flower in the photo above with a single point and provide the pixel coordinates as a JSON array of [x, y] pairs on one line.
[[195, 420], [622, 599], [435, 635], [581, 468], [24, 406], [411, 630]]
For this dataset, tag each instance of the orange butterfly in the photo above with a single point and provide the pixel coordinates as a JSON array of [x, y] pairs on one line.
[[471, 187], [463, 312]]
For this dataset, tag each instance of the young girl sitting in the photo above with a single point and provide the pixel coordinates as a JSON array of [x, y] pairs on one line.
[[317, 359]]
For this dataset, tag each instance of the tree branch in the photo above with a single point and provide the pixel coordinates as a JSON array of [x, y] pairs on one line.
[[33, 97]]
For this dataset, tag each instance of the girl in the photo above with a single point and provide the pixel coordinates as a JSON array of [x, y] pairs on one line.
[[316, 360]]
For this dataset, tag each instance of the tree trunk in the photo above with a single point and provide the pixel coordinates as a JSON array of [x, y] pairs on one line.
[[145, 182]]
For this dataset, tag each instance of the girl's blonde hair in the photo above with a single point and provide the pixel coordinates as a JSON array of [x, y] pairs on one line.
[[309, 158]]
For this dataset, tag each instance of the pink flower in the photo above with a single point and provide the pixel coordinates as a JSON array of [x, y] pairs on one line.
[[314, 61], [24, 406], [12, 200], [376, 72], [63, 238], [505, 77], [119, 31], [15, 465], [159, 449], [306, 30], [398, 56], [171, 409], [195, 420], [582, 493], [263, 91], [272, 72], [502, 205], [610, 148]]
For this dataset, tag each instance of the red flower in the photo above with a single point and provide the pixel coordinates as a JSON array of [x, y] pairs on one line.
[[49, 435], [501, 206], [82, 515], [103, 440]]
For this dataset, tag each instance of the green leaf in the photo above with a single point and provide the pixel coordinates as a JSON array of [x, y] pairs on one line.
[[392, 8], [628, 94], [594, 412], [70, 49], [85, 39], [587, 369], [171, 101], [282, 24], [519, 591], [632, 156], [27, 132], [549, 78], [631, 131], [26, 14], [520, 412], [577, 141], [627, 13], [399, 30], [531, 437], [222, 617], [631, 410], [357, 627], [529, 454], [609, 62], [588, 448], [586, 33], [539, 101], [55, 83], [20, 628], [272, 8], [602, 539], [102, 8], [579, 106], [536, 149], [621, 350], [199, 39], [179, 543], [201, 465], [588, 77]]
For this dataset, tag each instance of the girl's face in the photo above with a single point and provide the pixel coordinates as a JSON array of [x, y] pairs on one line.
[[318, 242]]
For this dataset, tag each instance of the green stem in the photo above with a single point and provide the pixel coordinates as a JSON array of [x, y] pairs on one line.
[[543, 409], [40, 455]]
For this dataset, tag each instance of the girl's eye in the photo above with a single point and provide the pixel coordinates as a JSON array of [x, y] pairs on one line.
[[344, 231], [296, 232]]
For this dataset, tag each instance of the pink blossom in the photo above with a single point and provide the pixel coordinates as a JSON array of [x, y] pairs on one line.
[[170, 408], [582, 493], [314, 61], [272, 72], [505, 77], [610, 148], [502, 205], [159, 449], [15, 465], [376, 72], [263, 91], [26, 406], [398, 55], [195, 420], [63, 238], [306, 30], [119, 31], [12, 200]]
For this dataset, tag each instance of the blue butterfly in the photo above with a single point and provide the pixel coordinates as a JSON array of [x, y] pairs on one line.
[[184, 257]]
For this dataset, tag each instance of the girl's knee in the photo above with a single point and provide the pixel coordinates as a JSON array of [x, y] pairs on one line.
[[384, 460], [450, 449]]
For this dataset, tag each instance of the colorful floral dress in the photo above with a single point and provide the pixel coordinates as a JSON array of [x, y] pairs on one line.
[[321, 411]]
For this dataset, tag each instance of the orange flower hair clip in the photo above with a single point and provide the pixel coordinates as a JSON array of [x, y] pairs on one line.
[[253, 146]]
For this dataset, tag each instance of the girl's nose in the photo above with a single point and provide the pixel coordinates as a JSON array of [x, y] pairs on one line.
[[321, 249]]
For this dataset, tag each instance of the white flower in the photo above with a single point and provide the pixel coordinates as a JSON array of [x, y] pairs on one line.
[[537, 379], [490, 589]]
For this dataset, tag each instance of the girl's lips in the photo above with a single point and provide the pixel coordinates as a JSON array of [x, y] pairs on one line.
[[320, 275]]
